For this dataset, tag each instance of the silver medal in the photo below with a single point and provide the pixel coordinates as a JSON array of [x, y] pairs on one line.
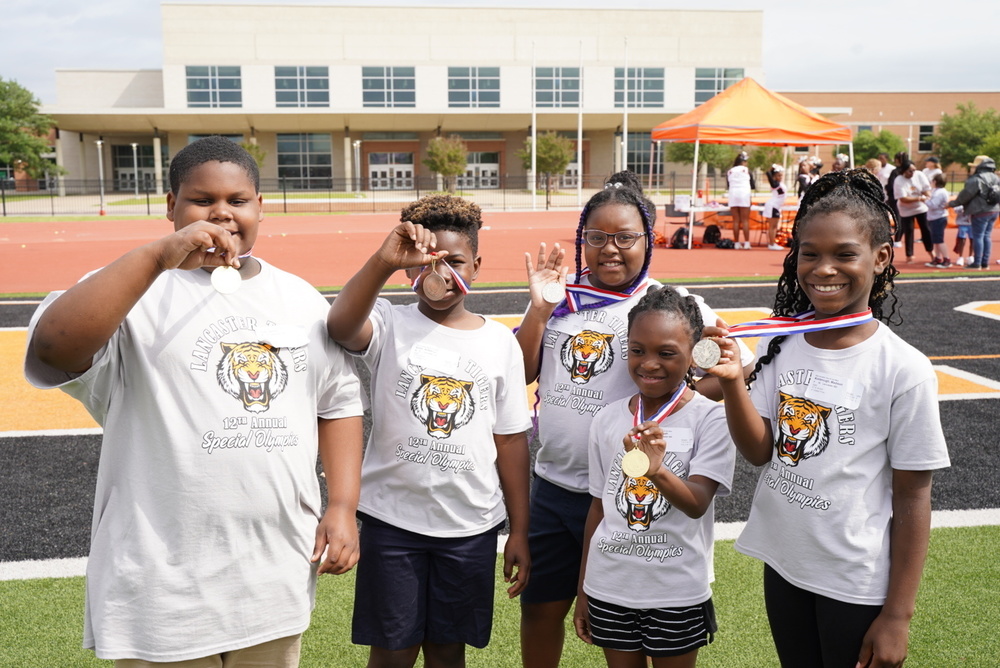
[[635, 463], [706, 353], [226, 280], [553, 292]]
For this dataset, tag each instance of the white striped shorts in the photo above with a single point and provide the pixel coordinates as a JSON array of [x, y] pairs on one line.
[[654, 631]]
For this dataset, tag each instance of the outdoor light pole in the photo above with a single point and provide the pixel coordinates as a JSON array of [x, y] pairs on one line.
[[135, 167], [357, 165], [100, 171]]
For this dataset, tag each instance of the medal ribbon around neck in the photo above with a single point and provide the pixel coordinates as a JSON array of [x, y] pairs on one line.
[[660, 415], [797, 324], [576, 291], [463, 287]]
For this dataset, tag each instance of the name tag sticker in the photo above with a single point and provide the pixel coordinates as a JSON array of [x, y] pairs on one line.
[[282, 336], [679, 439], [834, 390], [432, 357]]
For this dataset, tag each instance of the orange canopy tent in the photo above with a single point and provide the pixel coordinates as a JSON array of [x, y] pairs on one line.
[[747, 113]]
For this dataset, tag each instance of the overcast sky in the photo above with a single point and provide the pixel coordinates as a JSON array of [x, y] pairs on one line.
[[809, 45]]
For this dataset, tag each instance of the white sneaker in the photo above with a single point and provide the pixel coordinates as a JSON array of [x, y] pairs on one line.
[[897, 244], [960, 262], [969, 261], [746, 245], [775, 247]]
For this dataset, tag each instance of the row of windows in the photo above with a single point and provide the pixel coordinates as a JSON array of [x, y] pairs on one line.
[[221, 86]]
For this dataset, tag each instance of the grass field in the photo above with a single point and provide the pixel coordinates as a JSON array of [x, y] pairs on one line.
[[956, 622]]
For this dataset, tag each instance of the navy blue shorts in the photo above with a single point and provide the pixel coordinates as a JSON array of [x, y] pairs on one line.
[[412, 588], [938, 226], [555, 542], [654, 632]]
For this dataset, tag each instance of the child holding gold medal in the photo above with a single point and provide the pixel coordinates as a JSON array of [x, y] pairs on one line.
[[843, 415], [447, 459], [574, 340], [644, 589], [215, 398]]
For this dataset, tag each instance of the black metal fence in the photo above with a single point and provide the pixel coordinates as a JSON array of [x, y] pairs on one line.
[[58, 196]]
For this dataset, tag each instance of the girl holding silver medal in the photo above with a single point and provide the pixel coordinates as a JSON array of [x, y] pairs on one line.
[[574, 337], [843, 416]]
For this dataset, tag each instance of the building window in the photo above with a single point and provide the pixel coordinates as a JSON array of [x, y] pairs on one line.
[[557, 86], [482, 170], [388, 87], [644, 85], [305, 161], [865, 128], [214, 86], [642, 154], [925, 139], [473, 86], [301, 86], [390, 170], [710, 81]]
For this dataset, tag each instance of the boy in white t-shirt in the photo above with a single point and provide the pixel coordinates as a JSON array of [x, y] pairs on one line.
[[448, 450], [215, 395]]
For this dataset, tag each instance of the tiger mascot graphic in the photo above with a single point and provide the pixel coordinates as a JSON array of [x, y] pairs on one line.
[[802, 429], [253, 373], [587, 354], [443, 404], [640, 503]]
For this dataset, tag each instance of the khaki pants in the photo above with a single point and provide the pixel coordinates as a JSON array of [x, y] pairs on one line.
[[280, 653]]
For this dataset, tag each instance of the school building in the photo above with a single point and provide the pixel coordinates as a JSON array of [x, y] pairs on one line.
[[348, 98]]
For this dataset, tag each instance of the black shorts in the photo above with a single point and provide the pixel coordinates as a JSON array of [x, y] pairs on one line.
[[654, 631], [412, 588], [555, 542]]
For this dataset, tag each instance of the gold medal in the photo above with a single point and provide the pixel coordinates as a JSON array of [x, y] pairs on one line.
[[635, 463], [706, 353], [434, 286], [226, 280]]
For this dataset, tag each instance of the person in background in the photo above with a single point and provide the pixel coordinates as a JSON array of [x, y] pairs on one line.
[[772, 208], [741, 186], [912, 192], [982, 214], [890, 195], [964, 224], [937, 221], [874, 166], [885, 171], [932, 166]]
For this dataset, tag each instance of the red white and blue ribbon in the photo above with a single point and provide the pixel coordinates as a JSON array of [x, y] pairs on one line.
[[797, 324], [576, 291], [659, 416], [463, 287]]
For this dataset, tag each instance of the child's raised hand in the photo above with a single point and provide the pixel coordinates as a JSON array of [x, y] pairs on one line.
[[547, 270], [409, 245], [200, 244], [730, 366], [648, 438]]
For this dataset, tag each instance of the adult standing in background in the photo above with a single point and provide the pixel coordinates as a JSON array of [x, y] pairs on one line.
[[890, 195], [885, 170], [982, 213], [911, 191], [741, 186], [932, 167]]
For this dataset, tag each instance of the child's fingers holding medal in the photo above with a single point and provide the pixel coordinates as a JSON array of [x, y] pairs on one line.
[[644, 444], [720, 356], [546, 277]]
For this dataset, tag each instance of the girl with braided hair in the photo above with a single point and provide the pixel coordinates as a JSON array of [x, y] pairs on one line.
[[575, 346], [654, 525], [845, 421]]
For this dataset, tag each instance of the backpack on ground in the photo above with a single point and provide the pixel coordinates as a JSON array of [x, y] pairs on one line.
[[725, 243], [679, 239], [712, 235]]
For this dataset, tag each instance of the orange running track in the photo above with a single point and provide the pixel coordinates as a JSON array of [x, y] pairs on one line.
[[327, 250]]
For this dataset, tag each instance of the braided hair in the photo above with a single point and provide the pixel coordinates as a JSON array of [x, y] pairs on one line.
[[669, 301], [858, 194], [444, 212], [622, 188]]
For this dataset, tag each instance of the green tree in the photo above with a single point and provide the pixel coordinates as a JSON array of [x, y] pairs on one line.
[[718, 156], [868, 145], [23, 131], [256, 152], [960, 137], [762, 157], [991, 146], [554, 154], [447, 157]]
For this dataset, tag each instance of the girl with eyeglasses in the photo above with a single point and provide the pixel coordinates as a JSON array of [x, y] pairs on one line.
[[574, 337]]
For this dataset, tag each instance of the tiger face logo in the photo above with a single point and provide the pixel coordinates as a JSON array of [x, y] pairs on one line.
[[802, 429], [253, 373], [443, 404], [587, 354], [640, 503]]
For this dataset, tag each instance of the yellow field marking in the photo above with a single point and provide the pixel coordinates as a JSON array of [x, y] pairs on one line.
[[963, 357], [989, 309], [955, 384], [27, 408]]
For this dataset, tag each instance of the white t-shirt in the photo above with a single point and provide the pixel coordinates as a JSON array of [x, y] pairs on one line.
[[207, 499], [584, 368], [913, 187], [438, 396], [822, 508], [646, 553], [884, 173], [739, 186]]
